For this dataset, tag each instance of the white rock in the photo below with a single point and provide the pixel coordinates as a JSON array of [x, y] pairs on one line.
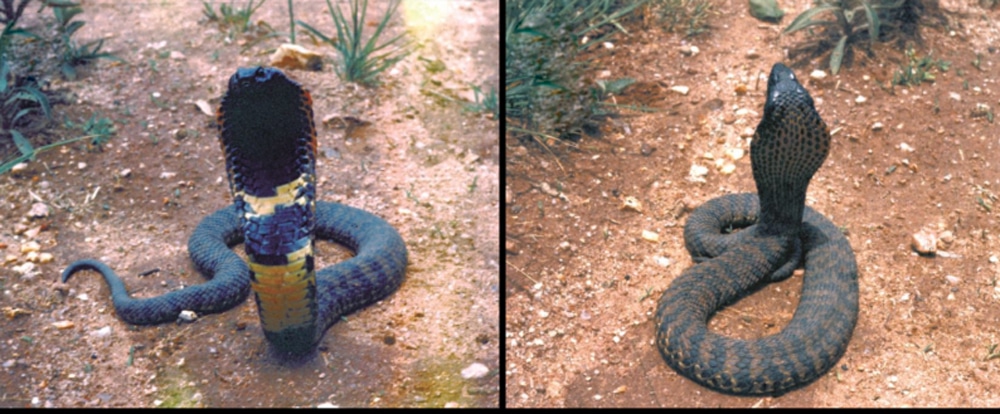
[[476, 370], [38, 210], [860, 99], [817, 74], [187, 316], [905, 147], [101, 333], [877, 126], [697, 173], [683, 90], [924, 242], [650, 236]]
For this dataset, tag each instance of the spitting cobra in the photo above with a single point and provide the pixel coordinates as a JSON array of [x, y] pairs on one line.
[[778, 233], [269, 141]]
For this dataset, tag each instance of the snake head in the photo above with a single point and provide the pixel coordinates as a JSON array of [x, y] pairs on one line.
[[781, 83]]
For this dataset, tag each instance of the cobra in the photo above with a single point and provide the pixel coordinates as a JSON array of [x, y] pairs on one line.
[[779, 232], [269, 141]]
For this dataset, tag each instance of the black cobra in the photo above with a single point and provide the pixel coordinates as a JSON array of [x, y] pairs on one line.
[[788, 147], [269, 140]]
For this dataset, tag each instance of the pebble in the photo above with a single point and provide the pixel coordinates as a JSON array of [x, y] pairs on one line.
[[81, 165], [752, 54], [728, 169], [176, 55], [620, 390], [735, 153], [38, 210], [21, 166], [689, 50], [101, 333], [63, 324], [697, 173], [817, 74], [632, 203], [860, 99], [877, 126], [327, 405], [952, 279], [681, 89], [187, 316], [662, 261], [646, 149], [126, 172], [650, 236], [476, 370], [945, 238], [31, 246], [924, 242], [543, 313], [905, 147]]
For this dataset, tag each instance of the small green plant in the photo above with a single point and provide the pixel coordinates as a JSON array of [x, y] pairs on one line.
[[359, 61], [485, 102], [98, 128], [231, 17], [856, 23], [24, 110], [544, 92], [74, 54], [689, 16], [917, 70]]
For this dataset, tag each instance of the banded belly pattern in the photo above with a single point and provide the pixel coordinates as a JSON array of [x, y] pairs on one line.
[[269, 141]]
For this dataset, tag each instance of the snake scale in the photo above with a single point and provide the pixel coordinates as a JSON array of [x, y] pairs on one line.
[[779, 232], [269, 141]]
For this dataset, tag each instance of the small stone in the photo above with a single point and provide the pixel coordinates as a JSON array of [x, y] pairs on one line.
[[860, 99], [952, 279], [204, 107], [955, 96], [291, 56], [476, 370], [646, 149], [101, 333], [924, 242], [697, 173], [735, 153], [766, 10], [905, 147], [683, 90], [752, 54], [650, 236], [620, 390], [543, 313], [45, 258], [877, 126], [187, 316], [689, 50], [125, 173], [741, 89], [176, 55], [632, 203], [81, 165], [63, 324], [38, 210], [19, 167], [511, 248], [818, 74], [945, 238], [166, 175], [727, 169], [451, 404], [662, 261], [31, 246]]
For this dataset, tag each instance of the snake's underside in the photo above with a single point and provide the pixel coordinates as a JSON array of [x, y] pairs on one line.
[[269, 139], [777, 233]]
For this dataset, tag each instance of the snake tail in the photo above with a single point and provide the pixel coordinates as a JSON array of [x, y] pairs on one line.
[[269, 141]]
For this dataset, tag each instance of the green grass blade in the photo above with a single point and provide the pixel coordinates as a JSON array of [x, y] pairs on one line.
[[22, 144], [873, 22], [838, 55], [805, 19]]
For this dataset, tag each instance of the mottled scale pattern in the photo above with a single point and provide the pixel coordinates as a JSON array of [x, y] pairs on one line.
[[269, 141], [777, 232]]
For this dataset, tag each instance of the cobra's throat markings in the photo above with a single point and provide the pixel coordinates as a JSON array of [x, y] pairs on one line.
[[285, 286]]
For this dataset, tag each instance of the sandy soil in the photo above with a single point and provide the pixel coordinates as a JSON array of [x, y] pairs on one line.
[[418, 161], [582, 283]]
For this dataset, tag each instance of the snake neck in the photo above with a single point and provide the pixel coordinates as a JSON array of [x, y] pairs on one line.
[[268, 137], [790, 144]]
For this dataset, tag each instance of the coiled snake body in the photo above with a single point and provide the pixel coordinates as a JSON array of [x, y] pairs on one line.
[[788, 147], [269, 140]]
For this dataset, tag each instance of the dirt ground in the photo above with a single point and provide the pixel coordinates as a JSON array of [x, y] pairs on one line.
[[416, 159], [582, 282]]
